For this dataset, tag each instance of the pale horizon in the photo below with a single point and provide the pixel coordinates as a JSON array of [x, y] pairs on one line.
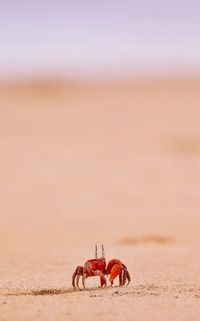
[[76, 40]]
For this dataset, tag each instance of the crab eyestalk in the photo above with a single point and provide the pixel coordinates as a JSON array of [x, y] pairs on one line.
[[103, 252], [96, 255]]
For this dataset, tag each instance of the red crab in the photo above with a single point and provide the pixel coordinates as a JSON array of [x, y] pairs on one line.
[[97, 267]]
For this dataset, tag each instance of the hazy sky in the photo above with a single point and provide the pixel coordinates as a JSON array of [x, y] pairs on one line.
[[85, 37]]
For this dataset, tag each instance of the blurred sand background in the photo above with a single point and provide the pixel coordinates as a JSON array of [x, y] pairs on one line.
[[115, 163], [99, 143]]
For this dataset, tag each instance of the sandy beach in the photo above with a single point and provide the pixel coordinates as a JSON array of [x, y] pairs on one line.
[[86, 164]]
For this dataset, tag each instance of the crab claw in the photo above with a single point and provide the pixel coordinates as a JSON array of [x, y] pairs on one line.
[[115, 271], [117, 268]]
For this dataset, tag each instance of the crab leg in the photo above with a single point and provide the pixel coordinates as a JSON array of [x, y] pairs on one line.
[[120, 279], [74, 277], [73, 280], [102, 280], [77, 281], [128, 277], [83, 280]]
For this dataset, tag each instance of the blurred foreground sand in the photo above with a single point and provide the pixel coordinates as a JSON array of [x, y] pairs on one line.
[[86, 164]]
